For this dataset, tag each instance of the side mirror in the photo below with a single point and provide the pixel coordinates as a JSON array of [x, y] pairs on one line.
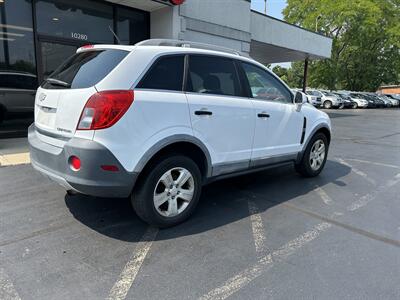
[[300, 98]]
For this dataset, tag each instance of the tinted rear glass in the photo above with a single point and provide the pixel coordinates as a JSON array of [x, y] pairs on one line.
[[85, 69]]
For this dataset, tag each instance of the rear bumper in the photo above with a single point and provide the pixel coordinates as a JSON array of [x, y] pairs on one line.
[[91, 180]]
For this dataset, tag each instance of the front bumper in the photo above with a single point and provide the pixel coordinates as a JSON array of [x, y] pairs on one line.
[[91, 180]]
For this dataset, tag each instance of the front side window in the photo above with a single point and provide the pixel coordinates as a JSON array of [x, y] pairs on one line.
[[264, 86], [213, 75], [165, 74]]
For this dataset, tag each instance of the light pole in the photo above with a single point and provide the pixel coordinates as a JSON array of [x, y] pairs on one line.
[[316, 22], [265, 7]]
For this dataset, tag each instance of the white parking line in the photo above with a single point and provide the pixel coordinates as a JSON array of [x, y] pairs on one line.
[[357, 171], [15, 159], [257, 227], [246, 276], [373, 163], [7, 290], [364, 200], [243, 278], [324, 196], [132, 267]]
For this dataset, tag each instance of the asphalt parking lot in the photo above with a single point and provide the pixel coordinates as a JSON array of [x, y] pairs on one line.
[[270, 235]]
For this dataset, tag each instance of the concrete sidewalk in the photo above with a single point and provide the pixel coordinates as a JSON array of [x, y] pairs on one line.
[[14, 151]]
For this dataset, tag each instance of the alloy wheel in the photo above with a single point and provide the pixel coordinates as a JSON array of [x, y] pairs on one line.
[[317, 155], [327, 104], [173, 192]]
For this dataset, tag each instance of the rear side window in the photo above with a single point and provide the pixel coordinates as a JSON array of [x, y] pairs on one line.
[[213, 75], [85, 69], [165, 74]]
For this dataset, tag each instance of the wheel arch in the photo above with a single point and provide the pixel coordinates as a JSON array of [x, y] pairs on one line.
[[321, 128], [178, 144]]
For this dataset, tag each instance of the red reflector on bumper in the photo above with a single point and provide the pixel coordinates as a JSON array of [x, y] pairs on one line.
[[75, 163], [110, 168]]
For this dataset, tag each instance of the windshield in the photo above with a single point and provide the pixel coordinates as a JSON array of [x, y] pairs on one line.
[[313, 93], [84, 69]]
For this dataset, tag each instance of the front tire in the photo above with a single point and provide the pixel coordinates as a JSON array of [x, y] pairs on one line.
[[168, 191], [327, 104], [355, 105], [314, 157]]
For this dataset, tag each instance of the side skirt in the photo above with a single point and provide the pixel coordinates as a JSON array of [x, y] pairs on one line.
[[237, 169]]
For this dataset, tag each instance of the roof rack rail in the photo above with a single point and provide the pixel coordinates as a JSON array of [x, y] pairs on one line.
[[187, 44]]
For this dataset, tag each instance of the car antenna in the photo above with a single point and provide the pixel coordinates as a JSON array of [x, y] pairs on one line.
[[115, 35]]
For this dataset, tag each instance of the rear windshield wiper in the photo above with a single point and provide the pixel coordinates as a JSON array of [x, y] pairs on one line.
[[58, 82]]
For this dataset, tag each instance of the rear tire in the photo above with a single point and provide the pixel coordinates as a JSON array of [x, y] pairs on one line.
[[314, 157], [168, 191], [327, 104], [355, 105]]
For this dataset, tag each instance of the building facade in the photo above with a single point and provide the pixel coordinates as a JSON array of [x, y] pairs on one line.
[[37, 35], [389, 89]]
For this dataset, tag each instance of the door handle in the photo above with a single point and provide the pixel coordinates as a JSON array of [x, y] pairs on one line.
[[263, 115], [203, 113]]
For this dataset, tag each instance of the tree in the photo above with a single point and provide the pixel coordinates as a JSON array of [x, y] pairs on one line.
[[281, 72], [366, 41], [292, 76]]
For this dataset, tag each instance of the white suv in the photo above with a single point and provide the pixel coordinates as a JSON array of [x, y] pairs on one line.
[[158, 120]]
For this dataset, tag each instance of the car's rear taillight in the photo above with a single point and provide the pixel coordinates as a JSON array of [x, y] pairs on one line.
[[104, 109]]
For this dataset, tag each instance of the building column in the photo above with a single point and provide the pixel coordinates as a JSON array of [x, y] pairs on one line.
[[305, 75]]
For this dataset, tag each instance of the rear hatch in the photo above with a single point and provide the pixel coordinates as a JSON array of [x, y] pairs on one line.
[[61, 98]]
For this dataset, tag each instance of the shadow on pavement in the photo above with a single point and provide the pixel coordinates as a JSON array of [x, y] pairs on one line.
[[221, 203]]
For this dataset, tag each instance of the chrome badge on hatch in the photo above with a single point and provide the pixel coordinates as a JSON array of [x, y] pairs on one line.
[[42, 97]]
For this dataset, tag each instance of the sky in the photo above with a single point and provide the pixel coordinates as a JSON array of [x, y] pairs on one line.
[[274, 7]]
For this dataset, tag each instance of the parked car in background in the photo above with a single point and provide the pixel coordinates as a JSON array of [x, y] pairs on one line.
[[313, 100], [386, 100], [379, 103], [361, 102], [330, 100], [318, 96], [17, 92], [395, 100], [347, 102]]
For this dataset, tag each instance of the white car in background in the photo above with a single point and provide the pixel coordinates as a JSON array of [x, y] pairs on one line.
[[361, 103], [313, 100], [395, 99], [328, 100], [158, 120], [388, 100]]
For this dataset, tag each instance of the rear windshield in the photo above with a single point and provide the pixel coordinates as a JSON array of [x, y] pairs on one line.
[[84, 69]]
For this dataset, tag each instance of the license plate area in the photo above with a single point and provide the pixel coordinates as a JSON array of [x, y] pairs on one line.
[[46, 116]]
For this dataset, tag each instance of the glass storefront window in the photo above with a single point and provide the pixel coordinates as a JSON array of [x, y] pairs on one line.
[[132, 25], [82, 20], [17, 51], [53, 54]]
